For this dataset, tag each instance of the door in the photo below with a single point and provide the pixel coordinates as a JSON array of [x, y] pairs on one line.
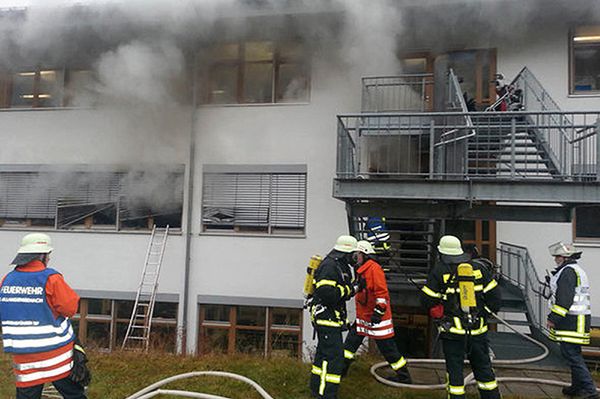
[[476, 70], [482, 233]]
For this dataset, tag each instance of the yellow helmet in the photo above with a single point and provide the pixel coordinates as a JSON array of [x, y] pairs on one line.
[[450, 245], [35, 243], [365, 247], [345, 244]]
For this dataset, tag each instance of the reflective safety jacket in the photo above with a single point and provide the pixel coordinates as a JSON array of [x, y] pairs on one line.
[[34, 305], [333, 287], [442, 287], [570, 304], [375, 294]]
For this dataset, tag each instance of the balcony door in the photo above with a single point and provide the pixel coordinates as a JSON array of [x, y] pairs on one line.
[[475, 69]]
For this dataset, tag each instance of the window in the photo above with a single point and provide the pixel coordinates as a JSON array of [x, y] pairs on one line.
[[585, 60], [254, 199], [250, 329], [257, 72], [47, 87], [586, 226], [39, 196], [102, 324]]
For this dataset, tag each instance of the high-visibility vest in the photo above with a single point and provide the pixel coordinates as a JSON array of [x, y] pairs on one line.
[[28, 325]]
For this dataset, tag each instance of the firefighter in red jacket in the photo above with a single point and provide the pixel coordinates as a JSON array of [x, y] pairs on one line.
[[373, 315], [35, 306]]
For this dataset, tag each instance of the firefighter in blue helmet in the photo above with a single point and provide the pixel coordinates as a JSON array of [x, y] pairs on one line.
[[570, 315], [333, 287], [378, 234]]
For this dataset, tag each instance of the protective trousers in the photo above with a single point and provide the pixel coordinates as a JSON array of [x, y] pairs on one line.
[[387, 347], [327, 367], [477, 351], [67, 388]]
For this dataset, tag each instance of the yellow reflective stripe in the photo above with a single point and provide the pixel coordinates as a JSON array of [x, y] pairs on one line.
[[446, 277], [477, 274], [456, 389], [333, 378], [457, 323], [487, 386], [342, 292], [581, 324], [428, 291], [316, 370], [571, 333], [559, 310], [479, 287], [329, 323], [578, 341], [399, 364], [321, 283], [491, 285], [349, 355], [323, 375]]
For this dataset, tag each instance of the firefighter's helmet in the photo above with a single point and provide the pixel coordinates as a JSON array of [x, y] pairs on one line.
[[365, 247], [562, 249], [35, 243], [345, 244], [450, 245]]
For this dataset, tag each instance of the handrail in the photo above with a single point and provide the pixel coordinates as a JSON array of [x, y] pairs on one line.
[[522, 272]]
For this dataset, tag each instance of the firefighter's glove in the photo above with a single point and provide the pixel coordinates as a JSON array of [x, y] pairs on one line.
[[377, 315], [80, 373], [437, 311], [359, 285]]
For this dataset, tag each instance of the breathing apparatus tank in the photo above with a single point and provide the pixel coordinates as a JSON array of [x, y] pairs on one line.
[[313, 264], [466, 287]]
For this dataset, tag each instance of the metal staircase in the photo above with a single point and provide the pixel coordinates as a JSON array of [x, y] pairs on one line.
[[137, 336]]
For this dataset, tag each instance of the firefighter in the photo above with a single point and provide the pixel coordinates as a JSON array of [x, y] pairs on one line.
[[378, 234], [569, 316], [35, 306], [373, 314], [462, 331], [333, 287]]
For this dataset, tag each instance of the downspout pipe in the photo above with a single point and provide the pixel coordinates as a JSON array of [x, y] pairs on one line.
[[190, 203]]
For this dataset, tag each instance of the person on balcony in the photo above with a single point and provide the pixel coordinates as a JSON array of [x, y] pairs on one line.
[[373, 314], [463, 331], [570, 315], [35, 306], [333, 287]]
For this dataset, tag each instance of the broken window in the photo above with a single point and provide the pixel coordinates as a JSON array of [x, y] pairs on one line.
[[257, 198], [104, 200]]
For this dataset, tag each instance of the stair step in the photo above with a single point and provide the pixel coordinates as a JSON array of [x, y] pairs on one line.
[[523, 323]]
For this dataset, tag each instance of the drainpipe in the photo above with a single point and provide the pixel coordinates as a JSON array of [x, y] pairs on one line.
[[190, 202]]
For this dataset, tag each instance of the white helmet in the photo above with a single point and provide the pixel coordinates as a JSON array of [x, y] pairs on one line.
[[345, 244], [35, 243], [365, 247], [450, 245], [562, 249]]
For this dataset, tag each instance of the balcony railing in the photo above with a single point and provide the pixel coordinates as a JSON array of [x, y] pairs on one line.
[[507, 145], [403, 93]]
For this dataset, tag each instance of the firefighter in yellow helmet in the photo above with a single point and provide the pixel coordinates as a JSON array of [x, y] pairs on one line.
[[462, 328], [333, 287], [569, 316]]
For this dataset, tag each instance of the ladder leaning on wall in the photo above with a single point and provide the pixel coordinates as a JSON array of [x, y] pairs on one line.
[[137, 336]]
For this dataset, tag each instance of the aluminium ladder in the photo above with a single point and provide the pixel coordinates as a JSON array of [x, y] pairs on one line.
[[138, 332]]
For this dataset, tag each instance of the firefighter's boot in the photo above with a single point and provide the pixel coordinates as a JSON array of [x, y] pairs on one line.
[[402, 376]]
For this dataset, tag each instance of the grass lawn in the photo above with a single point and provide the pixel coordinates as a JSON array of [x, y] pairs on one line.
[[118, 375]]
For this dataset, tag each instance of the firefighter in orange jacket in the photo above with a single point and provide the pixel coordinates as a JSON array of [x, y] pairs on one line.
[[35, 306], [373, 315]]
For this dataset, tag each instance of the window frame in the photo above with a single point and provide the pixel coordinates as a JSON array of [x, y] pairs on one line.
[[571, 83], [240, 63], [584, 239], [271, 229], [232, 327]]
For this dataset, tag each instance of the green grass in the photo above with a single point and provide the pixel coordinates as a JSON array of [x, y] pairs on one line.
[[118, 375]]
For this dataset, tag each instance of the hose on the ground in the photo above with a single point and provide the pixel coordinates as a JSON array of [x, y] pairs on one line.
[[470, 379]]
